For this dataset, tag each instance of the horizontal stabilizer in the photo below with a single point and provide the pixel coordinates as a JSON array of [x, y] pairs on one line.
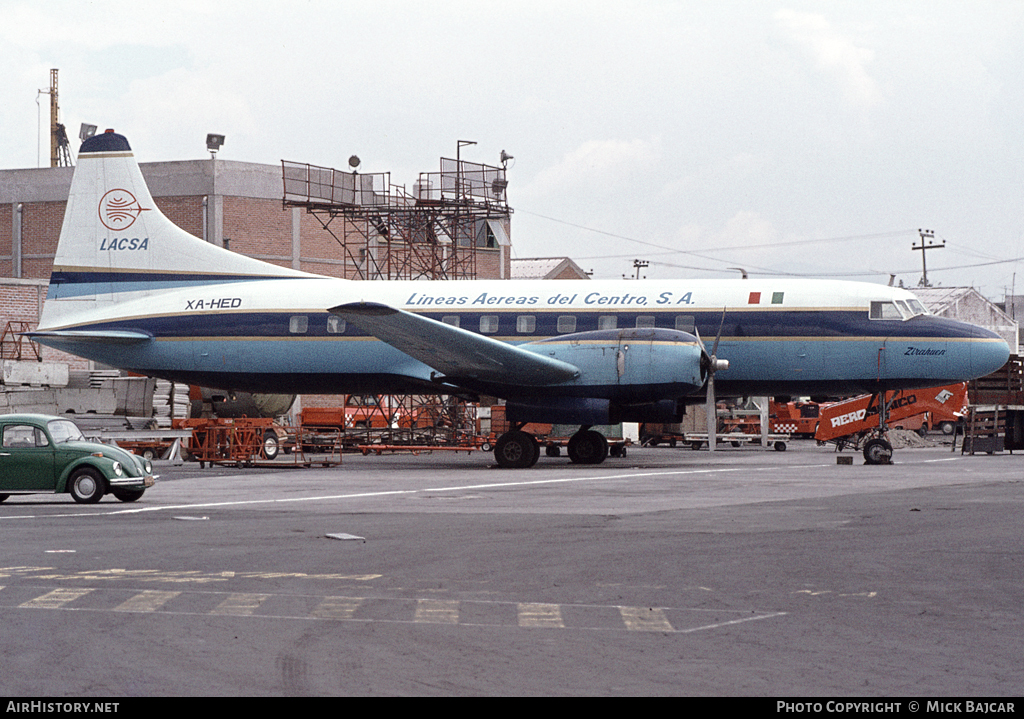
[[456, 353]]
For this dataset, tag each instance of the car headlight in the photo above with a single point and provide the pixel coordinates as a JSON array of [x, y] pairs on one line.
[[118, 469], [147, 466]]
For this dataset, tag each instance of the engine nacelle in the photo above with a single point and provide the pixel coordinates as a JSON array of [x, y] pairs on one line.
[[638, 365], [637, 375]]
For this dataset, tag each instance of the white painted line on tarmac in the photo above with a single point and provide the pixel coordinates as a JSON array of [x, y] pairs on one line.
[[396, 492]]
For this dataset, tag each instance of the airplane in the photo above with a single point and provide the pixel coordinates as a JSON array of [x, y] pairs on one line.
[[132, 290]]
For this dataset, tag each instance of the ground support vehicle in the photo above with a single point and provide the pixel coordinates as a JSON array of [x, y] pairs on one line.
[[148, 444], [696, 440], [239, 441], [859, 424], [47, 454]]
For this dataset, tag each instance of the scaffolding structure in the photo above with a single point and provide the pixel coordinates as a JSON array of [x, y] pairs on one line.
[[385, 232]]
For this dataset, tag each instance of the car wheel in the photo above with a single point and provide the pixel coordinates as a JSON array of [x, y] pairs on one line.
[[86, 486], [128, 495], [270, 445]]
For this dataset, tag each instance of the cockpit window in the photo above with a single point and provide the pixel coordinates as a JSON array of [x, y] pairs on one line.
[[917, 307], [884, 311], [897, 310]]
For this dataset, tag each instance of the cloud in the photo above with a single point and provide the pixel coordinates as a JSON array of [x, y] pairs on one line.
[[833, 53], [596, 167]]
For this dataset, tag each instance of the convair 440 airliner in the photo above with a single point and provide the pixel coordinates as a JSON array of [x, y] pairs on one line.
[[132, 290]]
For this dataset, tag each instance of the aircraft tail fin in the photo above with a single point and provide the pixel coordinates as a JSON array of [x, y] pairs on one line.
[[115, 244]]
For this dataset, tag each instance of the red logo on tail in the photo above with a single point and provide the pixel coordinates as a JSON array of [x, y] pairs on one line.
[[119, 209]]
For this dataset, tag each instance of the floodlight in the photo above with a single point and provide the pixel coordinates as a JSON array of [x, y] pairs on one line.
[[213, 142]]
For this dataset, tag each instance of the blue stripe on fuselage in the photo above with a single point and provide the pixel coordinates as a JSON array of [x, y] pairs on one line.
[[763, 325]]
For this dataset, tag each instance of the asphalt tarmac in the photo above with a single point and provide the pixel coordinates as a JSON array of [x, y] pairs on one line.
[[667, 572]]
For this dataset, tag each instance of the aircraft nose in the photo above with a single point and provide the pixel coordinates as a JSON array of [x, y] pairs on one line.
[[989, 352]]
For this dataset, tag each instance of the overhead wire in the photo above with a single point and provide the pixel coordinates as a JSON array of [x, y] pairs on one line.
[[768, 245]]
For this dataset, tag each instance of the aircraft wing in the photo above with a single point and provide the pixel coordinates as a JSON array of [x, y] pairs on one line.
[[456, 353]]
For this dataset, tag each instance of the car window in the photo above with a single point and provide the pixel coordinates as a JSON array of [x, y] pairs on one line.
[[64, 430], [23, 435]]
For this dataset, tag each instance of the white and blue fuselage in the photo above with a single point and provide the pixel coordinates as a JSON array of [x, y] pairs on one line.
[[131, 290]]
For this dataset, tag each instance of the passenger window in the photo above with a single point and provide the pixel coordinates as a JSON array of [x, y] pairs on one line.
[[645, 322], [685, 323], [608, 322], [335, 325], [452, 320], [526, 324], [298, 324], [884, 311], [488, 324], [566, 324]]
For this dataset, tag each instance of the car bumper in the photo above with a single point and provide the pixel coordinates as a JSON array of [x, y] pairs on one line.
[[133, 482]]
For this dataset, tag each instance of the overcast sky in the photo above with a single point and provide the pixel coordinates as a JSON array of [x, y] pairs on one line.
[[803, 138]]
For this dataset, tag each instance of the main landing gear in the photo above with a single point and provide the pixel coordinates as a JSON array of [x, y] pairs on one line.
[[517, 449]]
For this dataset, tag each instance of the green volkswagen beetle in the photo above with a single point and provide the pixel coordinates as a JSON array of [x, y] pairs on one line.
[[40, 453]]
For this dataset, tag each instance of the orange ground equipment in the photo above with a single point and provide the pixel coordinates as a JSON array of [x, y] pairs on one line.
[[855, 422], [231, 440]]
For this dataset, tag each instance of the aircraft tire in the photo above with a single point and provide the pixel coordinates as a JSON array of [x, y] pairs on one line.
[[588, 447], [877, 451], [516, 450]]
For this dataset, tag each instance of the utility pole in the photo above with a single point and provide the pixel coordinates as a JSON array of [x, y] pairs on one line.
[[639, 265], [926, 235]]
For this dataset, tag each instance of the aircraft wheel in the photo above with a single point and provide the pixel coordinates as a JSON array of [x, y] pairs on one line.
[[588, 447], [877, 451], [516, 450]]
